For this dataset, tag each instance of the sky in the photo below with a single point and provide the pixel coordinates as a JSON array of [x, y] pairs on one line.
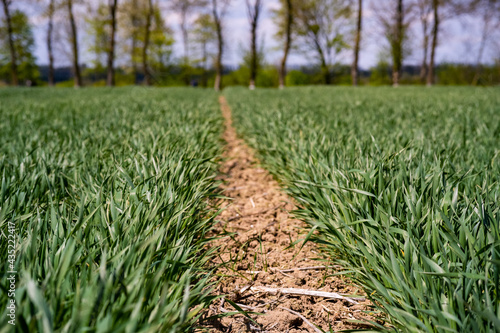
[[459, 38]]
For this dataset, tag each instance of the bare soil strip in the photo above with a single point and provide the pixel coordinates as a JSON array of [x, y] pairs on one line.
[[266, 272]]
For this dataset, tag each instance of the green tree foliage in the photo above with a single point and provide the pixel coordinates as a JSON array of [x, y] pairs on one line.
[[283, 18], [237, 77], [131, 19], [99, 24], [279, 17], [185, 9], [463, 74], [247, 59], [323, 27], [204, 37], [204, 40], [380, 74], [267, 78], [394, 19], [241, 76], [162, 40], [132, 25], [24, 44], [297, 78]]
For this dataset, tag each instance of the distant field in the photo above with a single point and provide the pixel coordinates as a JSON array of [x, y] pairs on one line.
[[107, 190], [402, 186]]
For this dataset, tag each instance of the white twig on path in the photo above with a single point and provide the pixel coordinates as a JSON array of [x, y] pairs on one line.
[[309, 268], [296, 291], [303, 318], [221, 307], [253, 214], [243, 306], [296, 269], [245, 288], [285, 274], [327, 309]]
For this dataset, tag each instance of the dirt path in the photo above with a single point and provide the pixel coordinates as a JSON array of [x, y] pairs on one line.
[[264, 233]]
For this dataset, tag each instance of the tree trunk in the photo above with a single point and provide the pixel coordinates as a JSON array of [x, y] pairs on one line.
[[185, 43], [424, 12], [185, 35], [204, 61], [398, 46], [324, 66], [435, 30], [253, 61], [253, 14], [74, 45], [484, 36], [134, 20], [355, 66], [147, 74], [13, 57], [110, 80], [220, 47], [49, 43], [288, 42], [132, 56], [423, 68]]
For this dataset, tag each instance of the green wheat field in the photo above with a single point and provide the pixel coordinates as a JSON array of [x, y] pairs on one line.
[[110, 192]]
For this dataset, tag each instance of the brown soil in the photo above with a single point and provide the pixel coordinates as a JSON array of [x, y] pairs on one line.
[[264, 240]]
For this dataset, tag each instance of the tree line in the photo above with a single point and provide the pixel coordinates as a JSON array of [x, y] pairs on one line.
[[138, 32]]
